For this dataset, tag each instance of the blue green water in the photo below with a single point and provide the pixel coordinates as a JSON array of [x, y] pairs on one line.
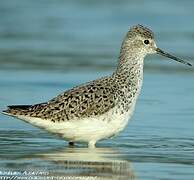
[[49, 46]]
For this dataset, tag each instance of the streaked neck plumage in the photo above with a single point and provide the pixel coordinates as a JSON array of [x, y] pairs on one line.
[[130, 65], [129, 75]]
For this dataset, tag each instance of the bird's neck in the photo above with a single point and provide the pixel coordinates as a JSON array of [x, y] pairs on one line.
[[130, 66], [128, 78]]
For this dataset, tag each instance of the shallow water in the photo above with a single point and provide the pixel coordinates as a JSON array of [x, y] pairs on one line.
[[48, 47]]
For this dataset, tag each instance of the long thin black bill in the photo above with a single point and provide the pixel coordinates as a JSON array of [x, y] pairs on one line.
[[160, 52]]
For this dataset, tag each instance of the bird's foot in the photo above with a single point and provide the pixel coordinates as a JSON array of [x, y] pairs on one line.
[[71, 144], [91, 144]]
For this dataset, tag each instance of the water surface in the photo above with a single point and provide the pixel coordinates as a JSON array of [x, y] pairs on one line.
[[47, 47]]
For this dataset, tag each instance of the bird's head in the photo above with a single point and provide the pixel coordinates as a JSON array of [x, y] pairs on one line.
[[140, 40]]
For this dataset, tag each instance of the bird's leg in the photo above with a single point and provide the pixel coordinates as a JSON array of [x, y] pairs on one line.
[[71, 144], [91, 144]]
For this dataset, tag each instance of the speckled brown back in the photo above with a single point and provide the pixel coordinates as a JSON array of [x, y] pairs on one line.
[[92, 99]]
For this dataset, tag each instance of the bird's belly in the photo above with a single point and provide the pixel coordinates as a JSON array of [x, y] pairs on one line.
[[86, 129], [94, 128]]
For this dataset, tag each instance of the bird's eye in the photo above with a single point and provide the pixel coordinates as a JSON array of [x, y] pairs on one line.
[[146, 41]]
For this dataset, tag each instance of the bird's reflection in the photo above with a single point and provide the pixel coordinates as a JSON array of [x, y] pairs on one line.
[[99, 163]]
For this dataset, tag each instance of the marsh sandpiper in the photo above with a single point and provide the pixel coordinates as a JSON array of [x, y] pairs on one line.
[[101, 108]]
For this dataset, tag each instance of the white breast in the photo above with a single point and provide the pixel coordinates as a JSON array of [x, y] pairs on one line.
[[87, 129], [95, 128]]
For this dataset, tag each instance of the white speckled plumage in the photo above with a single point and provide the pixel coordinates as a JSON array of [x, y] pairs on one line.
[[87, 129], [101, 108]]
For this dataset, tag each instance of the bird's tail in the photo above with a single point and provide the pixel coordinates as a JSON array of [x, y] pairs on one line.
[[27, 113], [15, 110]]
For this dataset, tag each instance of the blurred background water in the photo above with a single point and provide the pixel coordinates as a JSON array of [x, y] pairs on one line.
[[48, 46]]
